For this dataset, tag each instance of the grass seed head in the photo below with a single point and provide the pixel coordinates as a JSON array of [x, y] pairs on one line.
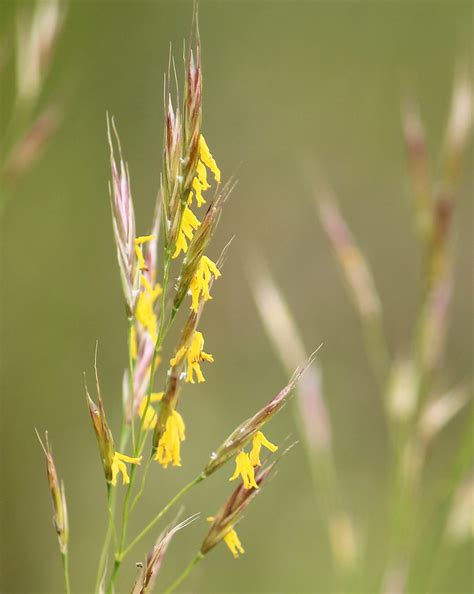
[[231, 512], [245, 432], [58, 497], [123, 218], [103, 435]]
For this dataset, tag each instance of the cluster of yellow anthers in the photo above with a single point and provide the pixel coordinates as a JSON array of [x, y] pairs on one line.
[[170, 442], [139, 241], [200, 281], [118, 465], [232, 541], [194, 354], [189, 221], [245, 463], [145, 308]]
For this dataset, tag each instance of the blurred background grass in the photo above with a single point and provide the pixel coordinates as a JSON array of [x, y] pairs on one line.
[[284, 83]]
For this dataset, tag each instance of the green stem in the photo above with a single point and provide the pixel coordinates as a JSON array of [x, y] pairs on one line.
[[377, 348], [108, 535], [131, 381], [180, 579], [67, 585], [158, 517], [111, 502], [166, 273], [113, 577], [142, 486], [126, 513], [123, 552], [126, 502]]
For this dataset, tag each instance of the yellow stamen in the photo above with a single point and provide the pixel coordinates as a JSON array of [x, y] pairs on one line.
[[139, 241], [208, 159], [189, 223], [201, 279], [232, 541], [200, 183], [144, 239], [194, 355], [145, 312], [202, 176], [178, 357], [244, 468], [133, 343], [118, 465], [170, 442], [198, 189], [258, 441]]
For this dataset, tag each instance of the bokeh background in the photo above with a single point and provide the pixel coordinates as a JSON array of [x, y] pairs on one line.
[[286, 84]]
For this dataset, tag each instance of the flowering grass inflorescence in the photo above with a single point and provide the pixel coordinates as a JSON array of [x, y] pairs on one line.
[[165, 271]]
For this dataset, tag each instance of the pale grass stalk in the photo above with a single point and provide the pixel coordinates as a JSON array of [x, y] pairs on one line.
[[312, 419], [131, 379], [359, 281], [432, 326]]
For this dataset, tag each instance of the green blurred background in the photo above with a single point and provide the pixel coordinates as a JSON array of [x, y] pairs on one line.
[[285, 83]]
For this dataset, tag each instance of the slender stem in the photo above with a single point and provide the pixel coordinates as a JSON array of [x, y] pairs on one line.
[[377, 348], [111, 514], [111, 502], [122, 553], [126, 502], [166, 273], [113, 577], [125, 514], [142, 486], [131, 380], [108, 535], [180, 579], [167, 507], [67, 585]]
